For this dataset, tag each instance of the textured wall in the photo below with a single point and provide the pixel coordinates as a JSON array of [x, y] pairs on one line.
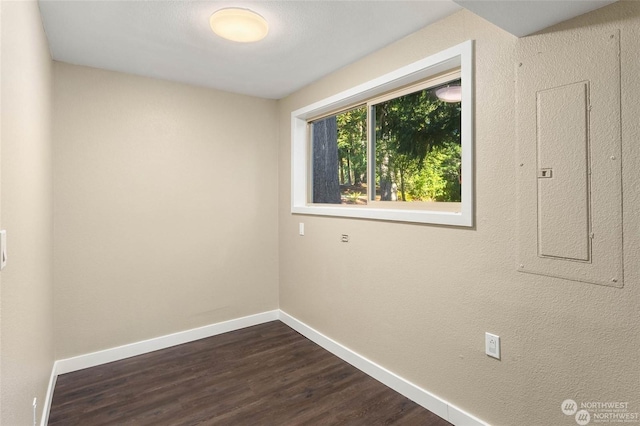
[[165, 208], [0, 204], [26, 292], [417, 299]]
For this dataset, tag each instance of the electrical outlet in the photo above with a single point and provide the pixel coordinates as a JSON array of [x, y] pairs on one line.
[[301, 228], [345, 238], [492, 345]]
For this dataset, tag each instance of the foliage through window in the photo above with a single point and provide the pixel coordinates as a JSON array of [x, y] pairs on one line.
[[402, 147], [398, 147]]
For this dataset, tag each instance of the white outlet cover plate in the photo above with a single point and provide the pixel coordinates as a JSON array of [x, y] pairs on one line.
[[492, 345]]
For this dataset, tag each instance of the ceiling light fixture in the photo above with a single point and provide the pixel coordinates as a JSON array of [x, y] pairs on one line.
[[450, 94], [241, 25]]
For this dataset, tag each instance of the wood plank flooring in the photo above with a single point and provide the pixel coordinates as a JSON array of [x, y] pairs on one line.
[[262, 375]]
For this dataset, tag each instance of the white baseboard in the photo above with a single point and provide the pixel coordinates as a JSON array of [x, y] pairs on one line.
[[127, 351], [460, 417], [422, 397], [415, 393], [46, 407]]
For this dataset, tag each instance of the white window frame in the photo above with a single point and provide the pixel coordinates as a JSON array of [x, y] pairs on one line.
[[459, 56]]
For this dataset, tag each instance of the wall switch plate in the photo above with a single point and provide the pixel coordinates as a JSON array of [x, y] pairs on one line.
[[301, 228], [35, 411], [3, 249], [492, 345]]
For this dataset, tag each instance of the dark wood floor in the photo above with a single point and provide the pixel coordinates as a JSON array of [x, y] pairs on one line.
[[262, 375]]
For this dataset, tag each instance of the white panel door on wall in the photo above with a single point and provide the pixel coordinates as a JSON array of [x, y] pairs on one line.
[[569, 162]]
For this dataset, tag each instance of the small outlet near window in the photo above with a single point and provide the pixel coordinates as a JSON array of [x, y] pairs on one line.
[[345, 238]]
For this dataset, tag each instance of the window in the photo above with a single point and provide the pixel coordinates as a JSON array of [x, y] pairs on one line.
[[413, 153], [395, 148]]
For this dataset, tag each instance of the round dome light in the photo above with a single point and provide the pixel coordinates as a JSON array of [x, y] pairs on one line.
[[241, 25]]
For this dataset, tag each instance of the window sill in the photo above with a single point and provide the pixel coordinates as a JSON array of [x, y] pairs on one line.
[[394, 215]]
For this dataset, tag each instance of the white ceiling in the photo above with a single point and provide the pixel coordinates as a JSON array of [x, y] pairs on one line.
[[307, 39], [524, 17], [172, 39]]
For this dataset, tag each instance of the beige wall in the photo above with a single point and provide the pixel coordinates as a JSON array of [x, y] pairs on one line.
[[0, 205], [165, 208], [166, 218], [418, 299], [26, 292]]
